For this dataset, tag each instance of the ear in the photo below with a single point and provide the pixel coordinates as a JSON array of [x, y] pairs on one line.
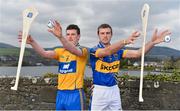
[[78, 37]]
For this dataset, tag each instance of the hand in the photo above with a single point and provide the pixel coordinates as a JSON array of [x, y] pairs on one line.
[[158, 37], [132, 37], [56, 30], [29, 38]]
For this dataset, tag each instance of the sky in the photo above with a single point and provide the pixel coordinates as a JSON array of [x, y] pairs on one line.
[[123, 15]]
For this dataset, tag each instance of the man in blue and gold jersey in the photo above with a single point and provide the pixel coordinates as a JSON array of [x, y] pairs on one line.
[[72, 61], [105, 61]]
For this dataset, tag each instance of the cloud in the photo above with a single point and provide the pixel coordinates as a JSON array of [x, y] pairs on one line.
[[123, 16]]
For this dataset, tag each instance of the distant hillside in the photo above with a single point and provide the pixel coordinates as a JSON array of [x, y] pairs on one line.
[[157, 51], [164, 51], [3, 45], [161, 52]]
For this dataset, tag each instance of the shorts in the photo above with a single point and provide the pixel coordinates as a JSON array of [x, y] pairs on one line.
[[70, 100], [106, 98]]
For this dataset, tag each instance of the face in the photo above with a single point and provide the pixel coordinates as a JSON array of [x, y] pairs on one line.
[[105, 35], [72, 36]]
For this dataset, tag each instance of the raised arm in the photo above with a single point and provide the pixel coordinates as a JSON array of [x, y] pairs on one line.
[[158, 37], [47, 54], [117, 46], [57, 31]]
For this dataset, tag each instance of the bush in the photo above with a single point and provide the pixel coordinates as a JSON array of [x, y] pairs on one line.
[[50, 75], [175, 76]]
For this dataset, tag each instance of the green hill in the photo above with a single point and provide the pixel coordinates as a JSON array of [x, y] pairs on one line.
[[158, 52], [12, 52], [3, 45]]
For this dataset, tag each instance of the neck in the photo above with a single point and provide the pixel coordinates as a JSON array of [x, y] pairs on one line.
[[106, 45], [76, 44]]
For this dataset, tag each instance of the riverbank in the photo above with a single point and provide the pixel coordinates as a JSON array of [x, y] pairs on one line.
[[38, 93]]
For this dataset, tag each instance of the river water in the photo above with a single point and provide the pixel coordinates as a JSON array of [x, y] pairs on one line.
[[41, 70]]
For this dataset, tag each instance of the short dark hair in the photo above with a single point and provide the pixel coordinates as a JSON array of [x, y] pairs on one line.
[[73, 26], [104, 26]]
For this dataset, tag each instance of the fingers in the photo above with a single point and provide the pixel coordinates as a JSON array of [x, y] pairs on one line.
[[56, 28], [57, 24], [133, 37], [165, 33], [161, 33], [20, 36], [155, 32], [50, 30], [29, 39], [20, 41], [136, 34]]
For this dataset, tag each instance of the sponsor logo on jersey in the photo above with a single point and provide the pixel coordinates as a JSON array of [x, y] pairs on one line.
[[67, 67], [106, 67]]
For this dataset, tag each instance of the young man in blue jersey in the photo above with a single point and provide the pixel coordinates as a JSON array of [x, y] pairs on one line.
[[72, 61], [105, 61]]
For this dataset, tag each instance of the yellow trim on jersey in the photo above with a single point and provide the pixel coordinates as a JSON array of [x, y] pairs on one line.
[[81, 99], [124, 53], [71, 81], [106, 67], [97, 51]]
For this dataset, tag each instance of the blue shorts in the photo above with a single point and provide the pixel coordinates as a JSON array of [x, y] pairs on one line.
[[70, 100]]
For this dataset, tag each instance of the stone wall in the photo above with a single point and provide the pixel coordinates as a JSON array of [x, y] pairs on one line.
[[39, 94]]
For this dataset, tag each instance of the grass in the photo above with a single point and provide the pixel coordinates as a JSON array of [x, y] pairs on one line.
[[178, 70]]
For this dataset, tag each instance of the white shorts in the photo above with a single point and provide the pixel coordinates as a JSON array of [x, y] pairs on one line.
[[106, 98]]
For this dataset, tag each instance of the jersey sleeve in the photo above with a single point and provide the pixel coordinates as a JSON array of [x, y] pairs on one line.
[[93, 50], [92, 57], [122, 53], [84, 51], [57, 53], [97, 51]]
